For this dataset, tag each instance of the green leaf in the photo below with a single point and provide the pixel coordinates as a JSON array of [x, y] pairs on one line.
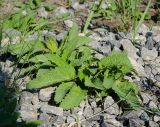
[[73, 98], [0, 34], [48, 58], [52, 45], [57, 75], [127, 91], [23, 71], [62, 90], [108, 82], [22, 48], [118, 60], [73, 41], [94, 83]]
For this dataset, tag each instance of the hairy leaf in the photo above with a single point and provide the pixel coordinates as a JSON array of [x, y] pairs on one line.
[[94, 83], [48, 58], [57, 75], [52, 45], [62, 90], [73, 98], [108, 82], [23, 71], [127, 91], [22, 48], [73, 41], [118, 60]]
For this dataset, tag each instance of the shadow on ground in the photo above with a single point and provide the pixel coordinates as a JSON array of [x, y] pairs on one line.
[[8, 104]]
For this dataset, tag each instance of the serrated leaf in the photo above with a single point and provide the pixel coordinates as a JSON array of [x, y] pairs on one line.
[[23, 71], [73, 41], [127, 91], [41, 72], [62, 90], [108, 82], [52, 45], [22, 48], [119, 60], [93, 82], [73, 98], [0, 33], [57, 75]]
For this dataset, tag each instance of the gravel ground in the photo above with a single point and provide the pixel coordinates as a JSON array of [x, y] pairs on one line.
[[144, 56]]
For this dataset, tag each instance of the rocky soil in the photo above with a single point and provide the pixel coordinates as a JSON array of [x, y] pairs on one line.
[[144, 56]]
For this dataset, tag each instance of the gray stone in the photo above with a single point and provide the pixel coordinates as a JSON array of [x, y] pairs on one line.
[[68, 23], [86, 124], [59, 121], [111, 119], [153, 124], [138, 67], [156, 38], [70, 119], [28, 115], [77, 6], [12, 33], [60, 36], [107, 125], [149, 54], [144, 116], [52, 110], [128, 46], [149, 43], [98, 56], [157, 77], [140, 39], [93, 104], [31, 37], [60, 10], [133, 114], [110, 106], [145, 97], [105, 49], [155, 30], [156, 118], [136, 123], [45, 118], [148, 69], [88, 111], [26, 98], [35, 100], [42, 12], [143, 29], [152, 105], [46, 93], [97, 110], [27, 107]]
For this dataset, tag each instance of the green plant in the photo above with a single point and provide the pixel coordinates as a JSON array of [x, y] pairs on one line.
[[72, 68], [24, 20]]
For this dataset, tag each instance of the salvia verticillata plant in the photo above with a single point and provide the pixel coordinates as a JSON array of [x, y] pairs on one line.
[[71, 67]]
